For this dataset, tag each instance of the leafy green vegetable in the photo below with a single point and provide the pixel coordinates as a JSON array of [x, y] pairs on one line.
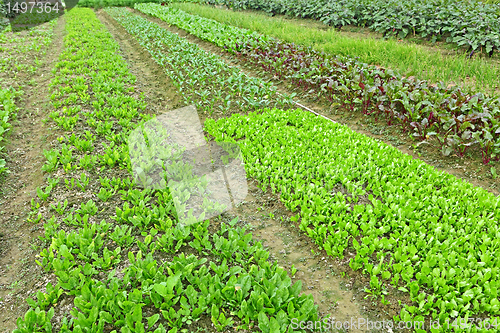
[[423, 231], [115, 257], [471, 23], [455, 119]]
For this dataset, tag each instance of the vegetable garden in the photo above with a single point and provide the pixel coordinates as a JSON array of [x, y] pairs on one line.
[[472, 23], [109, 255]]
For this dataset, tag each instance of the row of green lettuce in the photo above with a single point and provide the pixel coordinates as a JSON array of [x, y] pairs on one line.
[[454, 119], [114, 252], [425, 232], [8, 111], [472, 24]]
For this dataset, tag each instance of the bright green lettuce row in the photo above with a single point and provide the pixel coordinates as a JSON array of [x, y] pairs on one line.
[[240, 283], [410, 225], [222, 35]]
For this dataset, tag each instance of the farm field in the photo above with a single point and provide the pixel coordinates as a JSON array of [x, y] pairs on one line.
[[471, 24], [383, 205], [262, 64], [432, 61]]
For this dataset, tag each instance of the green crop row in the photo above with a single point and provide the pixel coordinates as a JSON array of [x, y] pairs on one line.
[[455, 119], [8, 111], [409, 59], [410, 227], [23, 50], [203, 79], [473, 24], [116, 252], [19, 54]]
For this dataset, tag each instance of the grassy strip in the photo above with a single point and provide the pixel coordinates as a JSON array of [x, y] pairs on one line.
[[8, 111], [409, 59], [115, 252], [411, 227], [453, 118], [472, 24]]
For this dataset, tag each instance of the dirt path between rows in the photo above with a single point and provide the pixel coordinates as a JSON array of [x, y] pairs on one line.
[[160, 94], [337, 295], [20, 276]]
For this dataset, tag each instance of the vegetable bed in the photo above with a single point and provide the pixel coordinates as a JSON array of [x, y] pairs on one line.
[[114, 252], [423, 231], [473, 24], [457, 120]]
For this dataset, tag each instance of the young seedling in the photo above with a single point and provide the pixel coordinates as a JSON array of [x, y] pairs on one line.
[[83, 182], [60, 207]]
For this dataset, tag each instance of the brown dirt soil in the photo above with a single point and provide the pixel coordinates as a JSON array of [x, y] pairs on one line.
[[469, 168], [20, 276]]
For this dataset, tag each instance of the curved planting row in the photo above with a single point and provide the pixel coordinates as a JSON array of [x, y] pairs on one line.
[[409, 226], [203, 79], [466, 23], [456, 119], [115, 255]]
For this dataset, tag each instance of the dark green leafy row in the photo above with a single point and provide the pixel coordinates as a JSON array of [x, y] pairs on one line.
[[456, 119], [466, 23], [411, 227], [115, 253]]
